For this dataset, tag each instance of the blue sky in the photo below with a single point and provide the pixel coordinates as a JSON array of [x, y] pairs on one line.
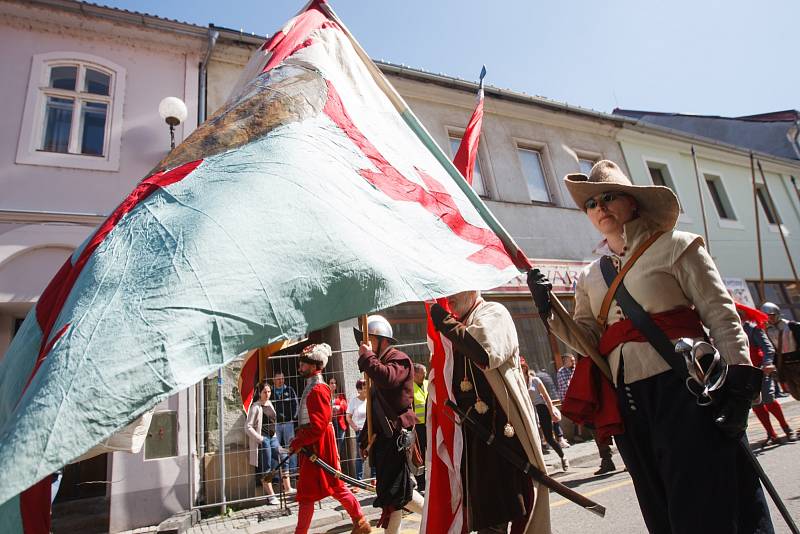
[[717, 57]]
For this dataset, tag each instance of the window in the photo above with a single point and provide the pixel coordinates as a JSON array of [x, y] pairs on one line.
[[766, 204], [162, 437], [76, 103], [533, 172], [586, 165], [477, 177], [720, 197], [73, 112], [659, 174]]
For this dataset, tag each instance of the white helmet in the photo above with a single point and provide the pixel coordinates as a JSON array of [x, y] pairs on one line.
[[770, 309], [377, 325]]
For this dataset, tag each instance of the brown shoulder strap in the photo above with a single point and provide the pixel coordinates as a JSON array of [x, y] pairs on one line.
[[612, 290]]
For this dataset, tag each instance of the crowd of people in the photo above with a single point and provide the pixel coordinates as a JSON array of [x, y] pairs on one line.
[[626, 382]]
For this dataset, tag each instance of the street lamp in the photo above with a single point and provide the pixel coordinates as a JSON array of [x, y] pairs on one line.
[[173, 111]]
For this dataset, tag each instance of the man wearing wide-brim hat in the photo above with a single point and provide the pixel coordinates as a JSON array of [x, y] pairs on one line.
[[690, 472]]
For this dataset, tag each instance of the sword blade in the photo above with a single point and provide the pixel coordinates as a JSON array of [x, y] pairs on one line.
[[767, 483], [338, 474], [526, 467]]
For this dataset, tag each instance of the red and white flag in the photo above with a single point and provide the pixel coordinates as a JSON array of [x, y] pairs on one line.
[[443, 512]]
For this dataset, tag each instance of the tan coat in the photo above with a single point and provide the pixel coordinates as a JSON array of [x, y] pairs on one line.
[[491, 325], [675, 271], [255, 417]]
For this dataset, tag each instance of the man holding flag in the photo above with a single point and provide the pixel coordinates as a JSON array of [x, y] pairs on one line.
[[489, 386]]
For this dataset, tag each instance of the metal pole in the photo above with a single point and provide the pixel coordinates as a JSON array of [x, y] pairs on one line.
[[758, 230], [778, 220], [221, 405], [794, 184], [189, 462], [702, 204]]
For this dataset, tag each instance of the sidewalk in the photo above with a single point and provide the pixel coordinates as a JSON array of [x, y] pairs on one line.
[[330, 517]]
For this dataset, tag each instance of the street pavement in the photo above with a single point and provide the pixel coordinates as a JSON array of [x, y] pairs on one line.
[[614, 491]]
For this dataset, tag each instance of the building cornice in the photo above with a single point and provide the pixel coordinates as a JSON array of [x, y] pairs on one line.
[[43, 217]]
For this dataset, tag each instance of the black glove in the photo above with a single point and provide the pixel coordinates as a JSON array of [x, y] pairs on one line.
[[540, 288], [742, 386], [438, 315]]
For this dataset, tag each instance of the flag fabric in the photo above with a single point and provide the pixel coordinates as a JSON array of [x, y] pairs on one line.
[[313, 196], [443, 455]]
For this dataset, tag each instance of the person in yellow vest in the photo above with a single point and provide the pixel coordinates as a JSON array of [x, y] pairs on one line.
[[420, 404]]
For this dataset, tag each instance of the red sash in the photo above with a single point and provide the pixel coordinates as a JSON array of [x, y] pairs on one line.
[[591, 398], [677, 323]]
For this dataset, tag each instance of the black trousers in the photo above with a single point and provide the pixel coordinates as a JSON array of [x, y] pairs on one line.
[[422, 439], [688, 476]]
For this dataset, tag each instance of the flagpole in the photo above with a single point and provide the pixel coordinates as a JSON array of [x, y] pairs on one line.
[[368, 382], [758, 230], [778, 220], [702, 204]]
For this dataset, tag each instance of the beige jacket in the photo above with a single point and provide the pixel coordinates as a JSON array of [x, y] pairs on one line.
[[675, 271], [491, 325], [255, 417]]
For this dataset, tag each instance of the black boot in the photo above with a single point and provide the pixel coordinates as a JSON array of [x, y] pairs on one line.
[[606, 466]]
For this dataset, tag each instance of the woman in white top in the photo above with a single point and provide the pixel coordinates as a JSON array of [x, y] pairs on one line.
[[262, 440], [356, 419]]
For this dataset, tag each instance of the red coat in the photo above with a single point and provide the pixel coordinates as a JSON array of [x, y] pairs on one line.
[[317, 436]]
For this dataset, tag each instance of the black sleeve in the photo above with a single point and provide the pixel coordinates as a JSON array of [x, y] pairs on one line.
[[457, 333]]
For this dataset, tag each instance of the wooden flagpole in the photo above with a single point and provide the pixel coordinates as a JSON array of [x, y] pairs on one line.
[[368, 383], [778, 220], [758, 230], [702, 204]]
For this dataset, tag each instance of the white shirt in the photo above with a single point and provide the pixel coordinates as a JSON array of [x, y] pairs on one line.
[[357, 409]]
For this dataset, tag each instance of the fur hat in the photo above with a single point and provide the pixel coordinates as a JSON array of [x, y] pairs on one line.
[[316, 354], [655, 202]]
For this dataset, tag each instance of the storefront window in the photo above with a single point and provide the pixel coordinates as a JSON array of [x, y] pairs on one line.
[[786, 295]]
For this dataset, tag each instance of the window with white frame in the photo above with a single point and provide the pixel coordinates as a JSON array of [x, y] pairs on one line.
[[533, 171], [76, 101], [73, 112], [478, 183], [659, 174], [720, 197], [770, 211]]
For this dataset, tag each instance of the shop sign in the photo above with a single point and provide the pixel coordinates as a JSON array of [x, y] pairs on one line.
[[563, 274], [738, 289]]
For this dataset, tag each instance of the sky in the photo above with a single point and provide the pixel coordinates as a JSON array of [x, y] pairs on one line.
[[709, 57]]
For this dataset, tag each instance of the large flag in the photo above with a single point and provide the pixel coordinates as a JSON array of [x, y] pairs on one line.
[[313, 196], [443, 511]]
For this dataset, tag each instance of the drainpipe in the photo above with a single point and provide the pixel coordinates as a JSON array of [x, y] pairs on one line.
[[213, 35]]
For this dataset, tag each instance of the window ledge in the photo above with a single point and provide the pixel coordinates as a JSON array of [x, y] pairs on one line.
[[731, 223], [71, 161], [774, 229]]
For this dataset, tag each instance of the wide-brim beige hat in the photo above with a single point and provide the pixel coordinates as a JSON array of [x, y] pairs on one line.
[[656, 202]]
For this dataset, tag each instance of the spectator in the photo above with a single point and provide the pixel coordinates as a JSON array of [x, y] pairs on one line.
[[286, 411], [420, 405], [339, 409], [356, 419], [550, 385]]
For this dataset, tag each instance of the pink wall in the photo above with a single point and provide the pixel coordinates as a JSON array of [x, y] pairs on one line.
[[151, 75]]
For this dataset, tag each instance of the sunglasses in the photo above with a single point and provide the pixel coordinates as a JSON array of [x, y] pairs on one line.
[[603, 199]]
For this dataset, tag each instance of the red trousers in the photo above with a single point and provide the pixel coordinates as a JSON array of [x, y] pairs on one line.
[[342, 494], [762, 411]]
